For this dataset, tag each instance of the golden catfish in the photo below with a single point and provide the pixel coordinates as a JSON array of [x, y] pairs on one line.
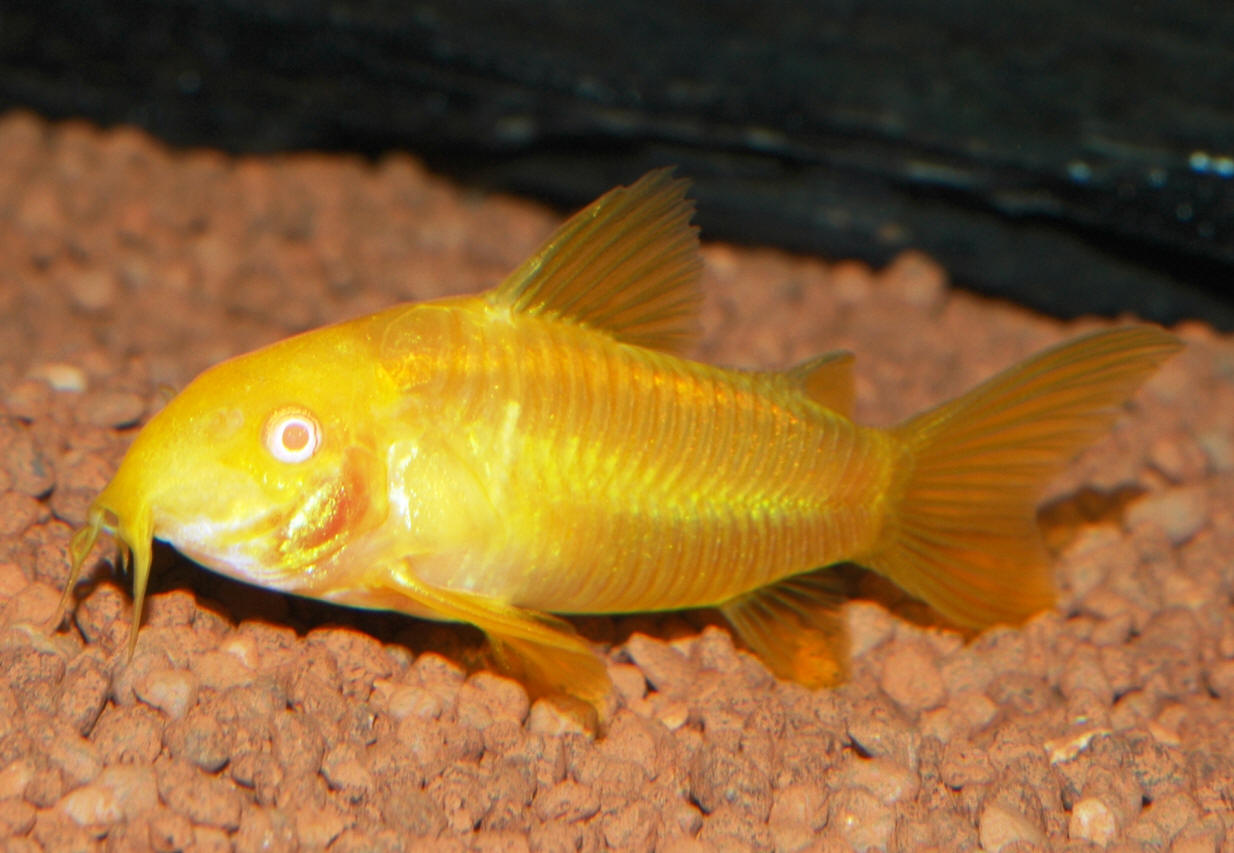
[[541, 448]]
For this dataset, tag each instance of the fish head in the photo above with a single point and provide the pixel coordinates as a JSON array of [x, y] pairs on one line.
[[263, 468]]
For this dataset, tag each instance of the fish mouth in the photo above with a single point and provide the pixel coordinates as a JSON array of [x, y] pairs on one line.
[[238, 549]]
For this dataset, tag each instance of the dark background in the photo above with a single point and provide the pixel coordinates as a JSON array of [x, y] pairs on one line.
[[1074, 157]]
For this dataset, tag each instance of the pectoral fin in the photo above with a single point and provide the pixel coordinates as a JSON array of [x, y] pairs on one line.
[[544, 652], [796, 627]]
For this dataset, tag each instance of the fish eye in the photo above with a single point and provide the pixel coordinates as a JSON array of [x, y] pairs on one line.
[[292, 435]]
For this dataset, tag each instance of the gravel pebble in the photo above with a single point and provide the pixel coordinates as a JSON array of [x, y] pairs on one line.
[[16, 817], [1001, 827], [1093, 821], [861, 819], [198, 739], [566, 801], [665, 668], [718, 778], [1180, 512], [172, 691], [202, 798], [111, 409], [911, 678]]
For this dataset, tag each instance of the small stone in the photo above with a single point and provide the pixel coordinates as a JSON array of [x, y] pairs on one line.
[[199, 740], [91, 805], [93, 289], [1000, 827], [718, 778], [633, 826], [45, 788], [883, 778], [861, 819], [202, 798], [172, 691], [1097, 552], [412, 811], [486, 697], [16, 818], [344, 772], [974, 707], [800, 804], [317, 828], [665, 668], [916, 279], [1092, 821], [209, 839], [221, 671], [1180, 512], [134, 788], [635, 739], [1179, 458], [85, 691], [792, 837], [1218, 447], [879, 729], [553, 718], [1203, 842], [18, 512], [1164, 820], [869, 626], [567, 801], [32, 472], [28, 399], [114, 409], [911, 678], [965, 764], [13, 580], [628, 682], [1083, 672], [672, 714], [15, 777], [128, 734], [61, 377], [734, 828], [169, 831], [77, 758], [265, 829]]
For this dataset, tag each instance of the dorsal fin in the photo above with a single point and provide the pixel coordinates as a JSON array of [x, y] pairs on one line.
[[827, 379], [627, 264]]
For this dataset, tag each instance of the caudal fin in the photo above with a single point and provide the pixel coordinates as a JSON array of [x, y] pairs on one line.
[[964, 537]]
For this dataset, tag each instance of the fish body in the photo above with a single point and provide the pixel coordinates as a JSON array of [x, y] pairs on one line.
[[543, 448], [560, 470]]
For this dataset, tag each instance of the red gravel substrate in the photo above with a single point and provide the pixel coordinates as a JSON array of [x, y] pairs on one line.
[[248, 720]]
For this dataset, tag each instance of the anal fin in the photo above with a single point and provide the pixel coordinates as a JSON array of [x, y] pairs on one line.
[[542, 651], [796, 627]]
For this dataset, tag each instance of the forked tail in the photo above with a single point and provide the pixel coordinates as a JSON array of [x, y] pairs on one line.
[[964, 536]]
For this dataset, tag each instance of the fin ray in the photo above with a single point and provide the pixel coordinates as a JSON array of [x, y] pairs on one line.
[[627, 264], [543, 650], [795, 627]]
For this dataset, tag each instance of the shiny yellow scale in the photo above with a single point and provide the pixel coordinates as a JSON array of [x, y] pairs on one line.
[[540, 449]]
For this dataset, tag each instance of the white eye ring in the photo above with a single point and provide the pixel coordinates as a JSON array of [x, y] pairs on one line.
[[292, 435]]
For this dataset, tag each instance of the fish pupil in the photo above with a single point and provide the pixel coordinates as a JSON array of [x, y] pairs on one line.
[[296, 437]]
